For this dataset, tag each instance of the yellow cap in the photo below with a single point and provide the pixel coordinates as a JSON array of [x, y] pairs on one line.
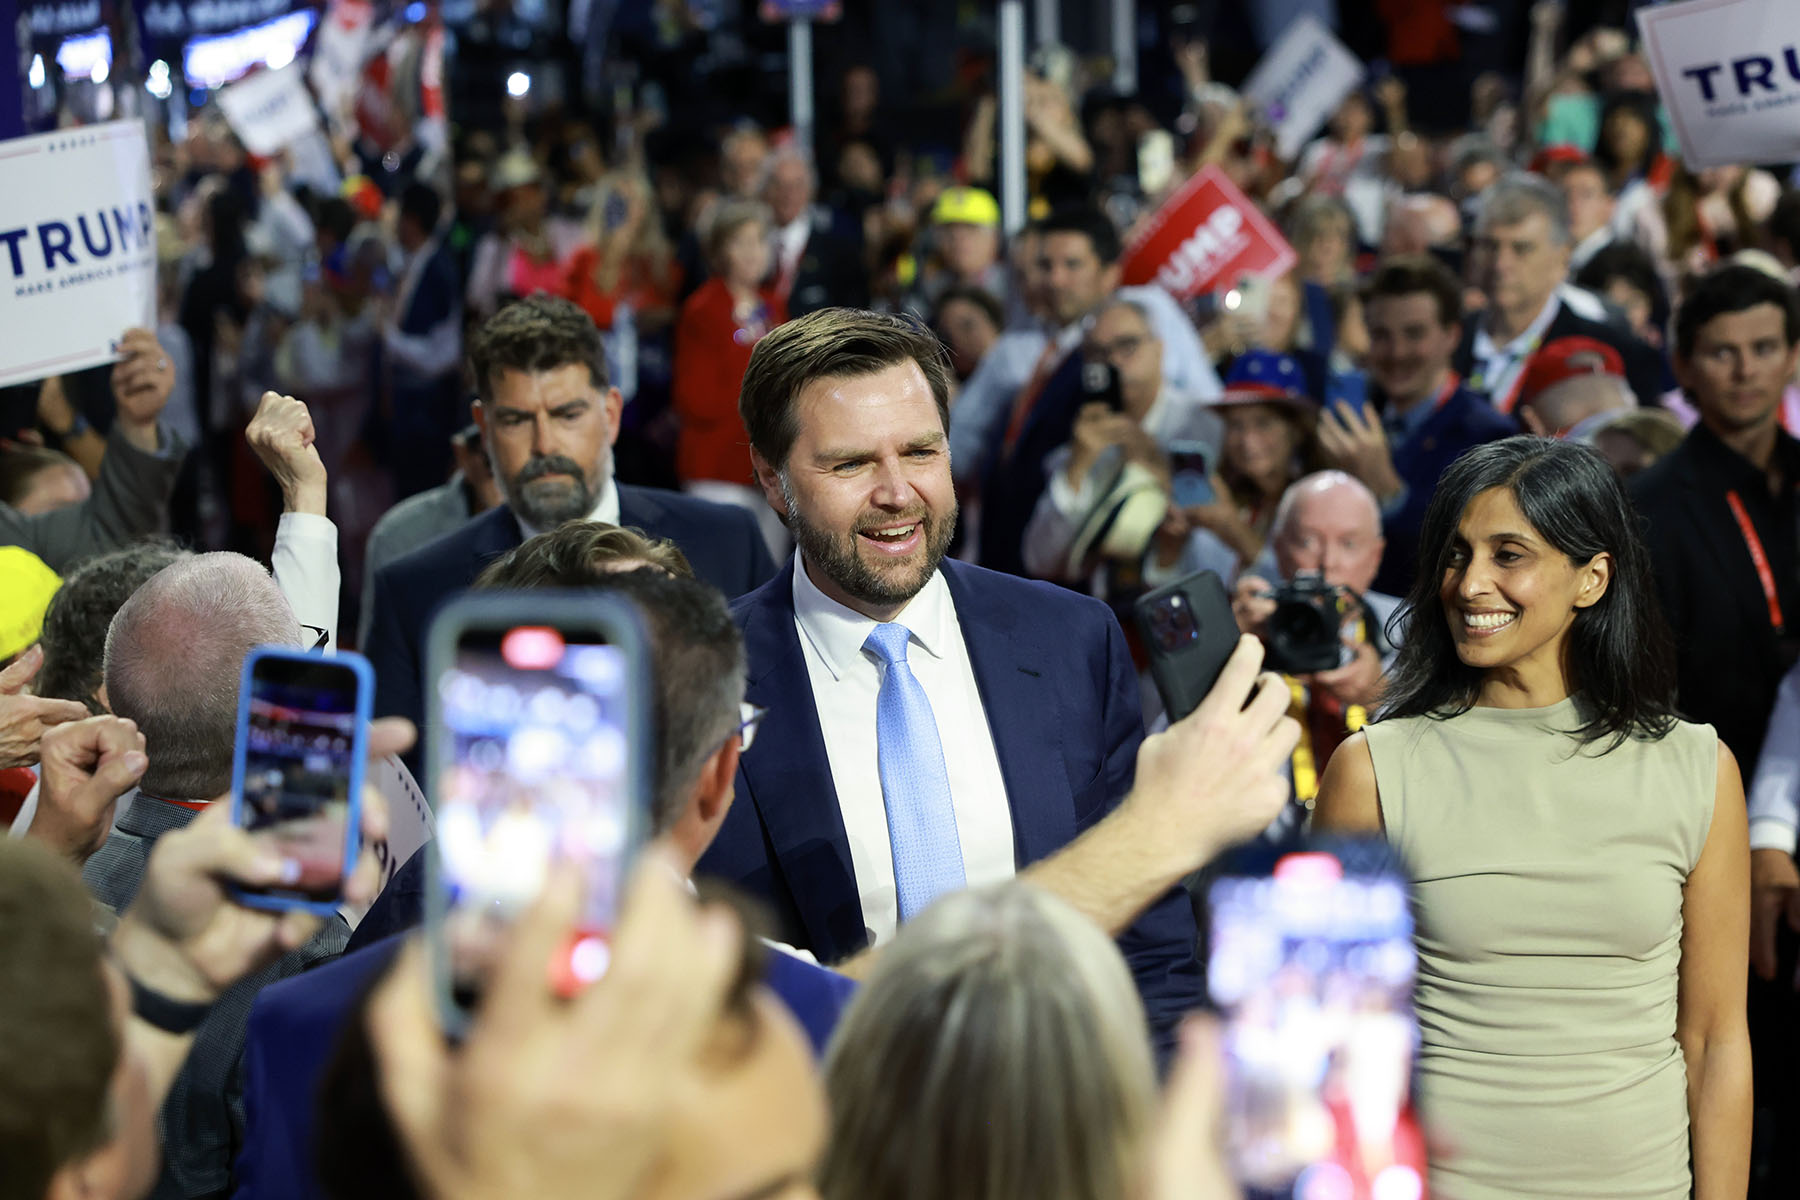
[[966, 206], [29, 586]]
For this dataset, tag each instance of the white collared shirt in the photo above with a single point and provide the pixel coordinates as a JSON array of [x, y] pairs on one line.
[[606, 510], [1501, 366], [845, 682], [790, 242]]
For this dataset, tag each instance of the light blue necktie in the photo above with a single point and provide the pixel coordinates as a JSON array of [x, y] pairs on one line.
[[914, 781]]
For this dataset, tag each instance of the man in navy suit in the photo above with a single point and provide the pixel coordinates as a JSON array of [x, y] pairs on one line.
[[1426, 416], [930, 724], [698, 669], [549, 420], [422, 349]]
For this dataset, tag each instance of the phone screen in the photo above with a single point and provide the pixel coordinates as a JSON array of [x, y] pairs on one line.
[[1190, 474], [534, 770], [1313, 968], [299, 769]]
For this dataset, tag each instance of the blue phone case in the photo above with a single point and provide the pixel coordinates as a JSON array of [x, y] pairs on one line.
[[358, 666]]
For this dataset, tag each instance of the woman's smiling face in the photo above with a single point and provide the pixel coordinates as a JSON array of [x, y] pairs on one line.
[[1510, 596]]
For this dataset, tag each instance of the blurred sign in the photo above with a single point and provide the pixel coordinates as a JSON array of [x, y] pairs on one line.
[[269, 109], [1729, 72], [77, 248], [1205, 236], [1300, 82]]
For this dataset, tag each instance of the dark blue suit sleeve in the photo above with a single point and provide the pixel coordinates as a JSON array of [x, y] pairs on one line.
[[1161, 947], [391, 646]]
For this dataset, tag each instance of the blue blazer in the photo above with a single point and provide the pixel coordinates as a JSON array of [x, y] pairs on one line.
[[1061, 697], [1466, 420], [296, 1024], [722, 541]]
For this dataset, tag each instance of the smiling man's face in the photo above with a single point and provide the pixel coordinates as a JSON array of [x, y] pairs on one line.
[[866, 487]]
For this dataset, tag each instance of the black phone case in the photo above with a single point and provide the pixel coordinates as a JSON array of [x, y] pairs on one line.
[[1184, 675]]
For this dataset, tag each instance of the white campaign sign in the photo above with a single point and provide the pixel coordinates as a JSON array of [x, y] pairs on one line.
[[77, 248], [269, 109], [1301, 81], [1729, 72]]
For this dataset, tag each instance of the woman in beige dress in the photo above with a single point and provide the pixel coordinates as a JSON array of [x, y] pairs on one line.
[[1579, 855]]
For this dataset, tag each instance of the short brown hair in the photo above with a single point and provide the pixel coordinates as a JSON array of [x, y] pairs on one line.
[[1408, 275], [539, 333], [21, 465], [59, 1045], [580, 554], [833, 343], [729, 217]]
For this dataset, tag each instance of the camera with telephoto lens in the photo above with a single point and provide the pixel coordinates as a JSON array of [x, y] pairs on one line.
[[1305, 632]]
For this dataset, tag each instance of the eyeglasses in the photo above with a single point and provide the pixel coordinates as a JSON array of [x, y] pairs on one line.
[[749, 719], [318, 642]]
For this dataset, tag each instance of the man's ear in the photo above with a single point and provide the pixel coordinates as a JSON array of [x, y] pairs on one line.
[[100, 695], [769, 480], [615, 415], [478, 414], [718, 779]]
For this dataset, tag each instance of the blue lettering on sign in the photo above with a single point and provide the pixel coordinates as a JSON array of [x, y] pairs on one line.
[[132, 226], [1753, 73]]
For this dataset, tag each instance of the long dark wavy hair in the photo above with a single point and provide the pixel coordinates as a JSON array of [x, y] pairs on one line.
[[1620, 655]]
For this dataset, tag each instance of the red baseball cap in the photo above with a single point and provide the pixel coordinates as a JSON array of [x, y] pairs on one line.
[[1568, 358]]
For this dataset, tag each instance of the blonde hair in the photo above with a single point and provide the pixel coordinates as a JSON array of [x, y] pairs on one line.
[[998, 1050]]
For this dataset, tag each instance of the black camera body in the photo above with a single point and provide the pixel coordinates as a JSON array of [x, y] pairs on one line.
[[1305, 632]]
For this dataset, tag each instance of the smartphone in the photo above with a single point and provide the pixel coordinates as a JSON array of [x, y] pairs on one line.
[[1351, 388], [1189, 633], [1311, 964], [1190, 474], [1155, 161], [297, 770], [537, 705], [1100, 383]]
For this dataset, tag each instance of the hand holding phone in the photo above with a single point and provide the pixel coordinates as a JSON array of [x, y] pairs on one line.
[[1190, 474], [297, 771], [1190, 634]]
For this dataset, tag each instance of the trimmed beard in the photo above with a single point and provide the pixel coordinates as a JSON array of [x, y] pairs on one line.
[[840, 558], [548, 506]]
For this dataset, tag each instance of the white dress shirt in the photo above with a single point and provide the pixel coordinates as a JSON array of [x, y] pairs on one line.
[[845, 682], [1775, 788], [1501, 366], [606, 510]]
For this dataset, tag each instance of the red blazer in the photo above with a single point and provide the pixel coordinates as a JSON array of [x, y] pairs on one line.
[[711, 351]]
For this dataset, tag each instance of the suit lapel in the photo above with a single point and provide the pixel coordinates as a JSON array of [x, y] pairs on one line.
[[639, 508], [1022, 713], [788, 777], [492, 534]]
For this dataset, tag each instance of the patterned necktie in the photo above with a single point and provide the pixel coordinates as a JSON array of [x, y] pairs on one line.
[[914, 781]]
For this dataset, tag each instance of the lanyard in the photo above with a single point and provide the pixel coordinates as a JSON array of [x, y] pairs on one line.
[[1758, 558], [1479, 379]]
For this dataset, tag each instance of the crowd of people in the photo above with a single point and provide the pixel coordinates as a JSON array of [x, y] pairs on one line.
[[885, 484]]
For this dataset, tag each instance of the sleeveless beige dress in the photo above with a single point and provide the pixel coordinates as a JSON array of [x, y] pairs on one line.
[[1547, 893]]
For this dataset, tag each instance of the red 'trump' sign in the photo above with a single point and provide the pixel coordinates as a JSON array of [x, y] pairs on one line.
[[1206, 236]]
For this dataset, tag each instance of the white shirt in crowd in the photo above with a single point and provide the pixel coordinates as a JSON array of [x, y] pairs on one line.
[[845, 682], [790, 243], [1775, 788], [1501, 366]]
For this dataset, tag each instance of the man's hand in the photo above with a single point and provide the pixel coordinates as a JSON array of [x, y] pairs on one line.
[[1774, 896], [281, 433], [141, 382], [87, 766], [1214, 778], [1252, 603], [1097, 429], [1354, 441], [1358, 681], [553, 1099], [185, 937], [24, 718]]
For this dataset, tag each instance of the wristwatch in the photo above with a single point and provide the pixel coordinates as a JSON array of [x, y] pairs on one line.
[[170, 1016]]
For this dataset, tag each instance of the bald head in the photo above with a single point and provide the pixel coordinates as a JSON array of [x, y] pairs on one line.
[[174, 653], [1419, 222], [1560, 407], [1331, 523]]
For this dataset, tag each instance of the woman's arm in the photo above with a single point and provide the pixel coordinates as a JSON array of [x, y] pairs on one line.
[[1710, 1022], [1348, 801]]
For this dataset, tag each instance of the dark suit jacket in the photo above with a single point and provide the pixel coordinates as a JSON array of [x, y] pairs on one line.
[[1729, 661], [202, 1119], [296, 1025], [1644, 369], [722, 542], [1015, 481], [1465, 420], [1062, 704], [831, 269]]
